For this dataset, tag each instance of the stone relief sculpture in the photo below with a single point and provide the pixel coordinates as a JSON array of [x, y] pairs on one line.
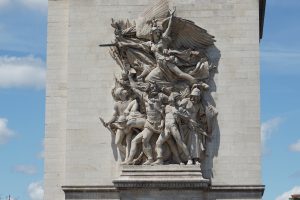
[[163, 111]]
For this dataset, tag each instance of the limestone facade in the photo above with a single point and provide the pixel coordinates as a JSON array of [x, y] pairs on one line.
[[79, 154]]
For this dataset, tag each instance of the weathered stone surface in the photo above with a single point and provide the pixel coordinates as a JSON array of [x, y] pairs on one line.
[[78, 149], [161, 177], [163, 99], [218, 192]]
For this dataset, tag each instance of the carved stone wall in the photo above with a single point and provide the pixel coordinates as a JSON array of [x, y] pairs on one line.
[[164, 112], [80, 152]]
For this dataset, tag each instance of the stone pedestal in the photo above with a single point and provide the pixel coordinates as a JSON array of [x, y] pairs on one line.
[[161, 177]]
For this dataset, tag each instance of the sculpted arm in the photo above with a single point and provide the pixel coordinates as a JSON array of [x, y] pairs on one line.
[[162, 122], [142, 46], [168, 30], [132, 106], [182, 112], [115, 115], [129, 44]]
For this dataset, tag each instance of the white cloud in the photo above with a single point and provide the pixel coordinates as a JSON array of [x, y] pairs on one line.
[[4, 3], [25, 169], [22, 72], [36, 191], [41, 5], [5, 132], [295, 146], [287, 195], [268, 128]]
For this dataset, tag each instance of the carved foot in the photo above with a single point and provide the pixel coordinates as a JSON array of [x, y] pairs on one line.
[[189, 162], [148, 162], [197, 163], [125, 162], [158, 162]]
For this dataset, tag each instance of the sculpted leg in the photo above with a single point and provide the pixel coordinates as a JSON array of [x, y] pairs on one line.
[[133, 149], [128, 145], [118, 141], [181, 144], [146, 145], [174, 150], [163, 137], [136, 123]]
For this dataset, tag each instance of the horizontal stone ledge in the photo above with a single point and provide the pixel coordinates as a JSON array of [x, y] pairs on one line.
[[161, 177], [161, 185], [90, 188], [214, 188], [248, 188], [161, 168], [216, 192]]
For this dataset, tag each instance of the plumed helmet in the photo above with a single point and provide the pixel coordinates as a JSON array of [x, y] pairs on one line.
[[196, 92]]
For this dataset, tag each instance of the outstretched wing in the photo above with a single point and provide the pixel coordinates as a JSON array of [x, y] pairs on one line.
[[186, 34], [159, 10]]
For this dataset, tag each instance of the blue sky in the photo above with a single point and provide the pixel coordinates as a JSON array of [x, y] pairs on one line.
[[23, 28], [280, 99]]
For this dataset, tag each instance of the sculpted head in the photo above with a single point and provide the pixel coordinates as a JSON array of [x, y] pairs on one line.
[[122, 94], [156, 34], [174, 98], [195, 96], [156, 31], [153, 88]]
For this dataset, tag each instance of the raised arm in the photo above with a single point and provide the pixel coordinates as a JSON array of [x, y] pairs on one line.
[[130, 44], [146, 46], [168, 30]]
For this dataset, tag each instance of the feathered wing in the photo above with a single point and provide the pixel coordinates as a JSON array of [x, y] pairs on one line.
[[186, 34], [159, 10]]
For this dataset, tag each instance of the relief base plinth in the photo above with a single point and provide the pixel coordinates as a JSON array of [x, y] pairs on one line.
[[161, 177]]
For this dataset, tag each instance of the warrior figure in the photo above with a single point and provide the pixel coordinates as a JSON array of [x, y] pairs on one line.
[[125, 117], [154, 103], [194, 112], [171, 129]]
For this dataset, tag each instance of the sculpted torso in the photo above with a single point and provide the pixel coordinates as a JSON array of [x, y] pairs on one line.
[[121, 106], [153, 108]]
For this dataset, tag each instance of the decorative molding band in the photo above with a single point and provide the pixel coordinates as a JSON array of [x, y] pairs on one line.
[[90, 188], [238, 188], [215, 188], [90, 192], [161, 177], [161, 184]]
